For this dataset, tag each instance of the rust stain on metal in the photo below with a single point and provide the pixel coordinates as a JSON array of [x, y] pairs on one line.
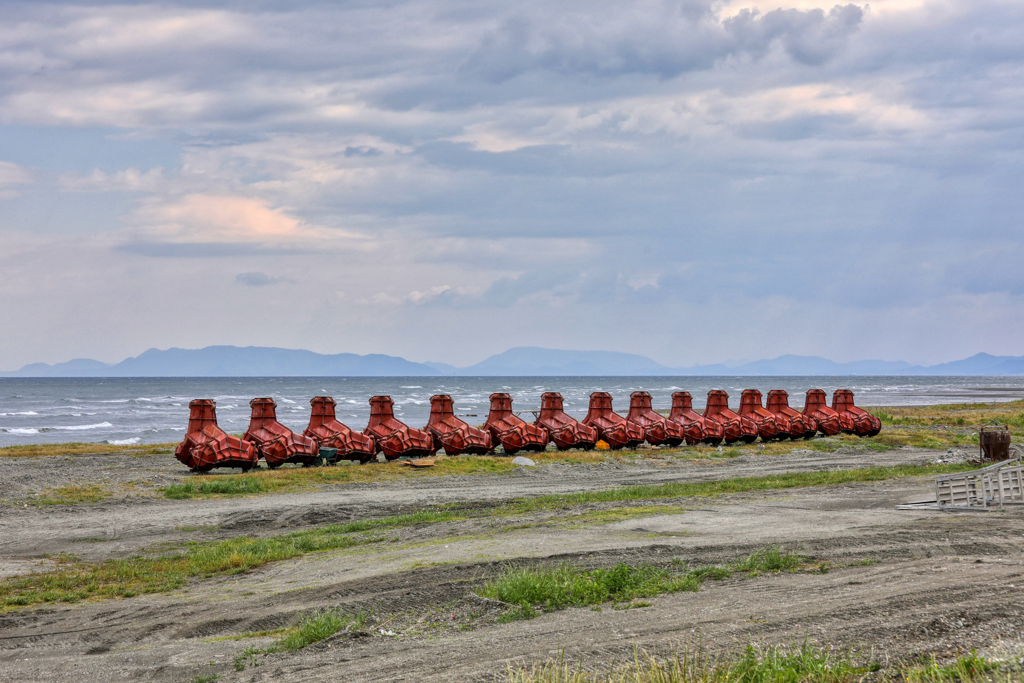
[[854, 420], [826, 420], [695, 427], [394, 437], [735, 428], [207, 446], [611, 427], [274, 442], [451, 433], [790, 421], [750, 407], [563, 430], [328, 432], [658, 429], [511, 431]]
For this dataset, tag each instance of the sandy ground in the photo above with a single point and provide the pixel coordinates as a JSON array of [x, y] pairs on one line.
[[938, 582]]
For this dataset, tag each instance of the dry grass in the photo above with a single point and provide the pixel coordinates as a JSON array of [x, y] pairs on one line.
[[75, 448], [953, 414], [72, 495], [296, 478]]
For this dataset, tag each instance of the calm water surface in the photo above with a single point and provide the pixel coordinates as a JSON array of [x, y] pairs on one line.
[[154, 410]]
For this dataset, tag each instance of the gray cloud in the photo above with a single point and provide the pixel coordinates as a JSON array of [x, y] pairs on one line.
[[256, 279]]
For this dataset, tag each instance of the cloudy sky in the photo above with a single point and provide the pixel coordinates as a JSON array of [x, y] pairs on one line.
[[444, 179]]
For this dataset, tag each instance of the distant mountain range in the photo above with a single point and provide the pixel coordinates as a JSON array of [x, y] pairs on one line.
[[524, 361]]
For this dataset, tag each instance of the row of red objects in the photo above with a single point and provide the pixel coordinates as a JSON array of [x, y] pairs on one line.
[[207, 446]]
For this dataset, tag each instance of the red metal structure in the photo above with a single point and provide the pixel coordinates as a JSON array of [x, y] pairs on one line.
[[207, 446], [452, 434], [750, 407], [826, 419], [797, 425], [511, 431], [658, 429], [564, 431], [395, 438], [612, 428], [328, 432], [696, 428], [860, 421], [736, 428], [274, 442]]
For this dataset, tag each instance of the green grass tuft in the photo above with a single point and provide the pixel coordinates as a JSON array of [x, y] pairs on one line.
[[222, 486], [768, 559], [317, 627], [567, 586]]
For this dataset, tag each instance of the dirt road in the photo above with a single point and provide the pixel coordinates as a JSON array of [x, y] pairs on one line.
[[898, 581]]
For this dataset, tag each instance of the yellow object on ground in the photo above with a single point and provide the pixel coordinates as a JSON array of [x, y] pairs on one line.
[[602, 446]]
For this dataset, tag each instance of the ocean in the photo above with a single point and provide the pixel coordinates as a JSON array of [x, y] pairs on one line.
[[155, 410]]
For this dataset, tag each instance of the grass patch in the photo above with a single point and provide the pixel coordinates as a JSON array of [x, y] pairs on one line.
[[297, 478], [531, 590], [74, 580], [220, 486], [72, 495], [807, 662], [970, 668], [317, 627], [78, 448], [767, 559], [732, 485], [311, 629]]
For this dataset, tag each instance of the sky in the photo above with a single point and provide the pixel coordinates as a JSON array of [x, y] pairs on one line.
[[442, 180]]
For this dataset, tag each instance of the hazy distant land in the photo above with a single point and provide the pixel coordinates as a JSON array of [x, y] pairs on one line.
[[255, 361]]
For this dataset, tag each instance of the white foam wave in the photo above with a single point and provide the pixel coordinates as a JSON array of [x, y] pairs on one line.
[[115, 400], [124, 442], [287, 400], [20, 431], [77, 428], [27, 412], [414, 386]]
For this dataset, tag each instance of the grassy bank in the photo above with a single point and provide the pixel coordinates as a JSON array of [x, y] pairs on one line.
[[75, 580], [954, 415]]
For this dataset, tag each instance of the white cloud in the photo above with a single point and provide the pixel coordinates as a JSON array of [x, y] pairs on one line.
[[12, 175]]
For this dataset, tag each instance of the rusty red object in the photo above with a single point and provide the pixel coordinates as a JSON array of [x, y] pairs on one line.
[[511, 431], [395, 438], [826, 420], [207, 446], [736, 428], [750, 407], [564, 431], [797, 425], [328, 432], [695, 427], [451, 433], [612, 428], [658, 429], [274, 442], [860, 421]]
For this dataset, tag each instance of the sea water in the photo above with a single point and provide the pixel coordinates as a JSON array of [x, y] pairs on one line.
[[155, 410]]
